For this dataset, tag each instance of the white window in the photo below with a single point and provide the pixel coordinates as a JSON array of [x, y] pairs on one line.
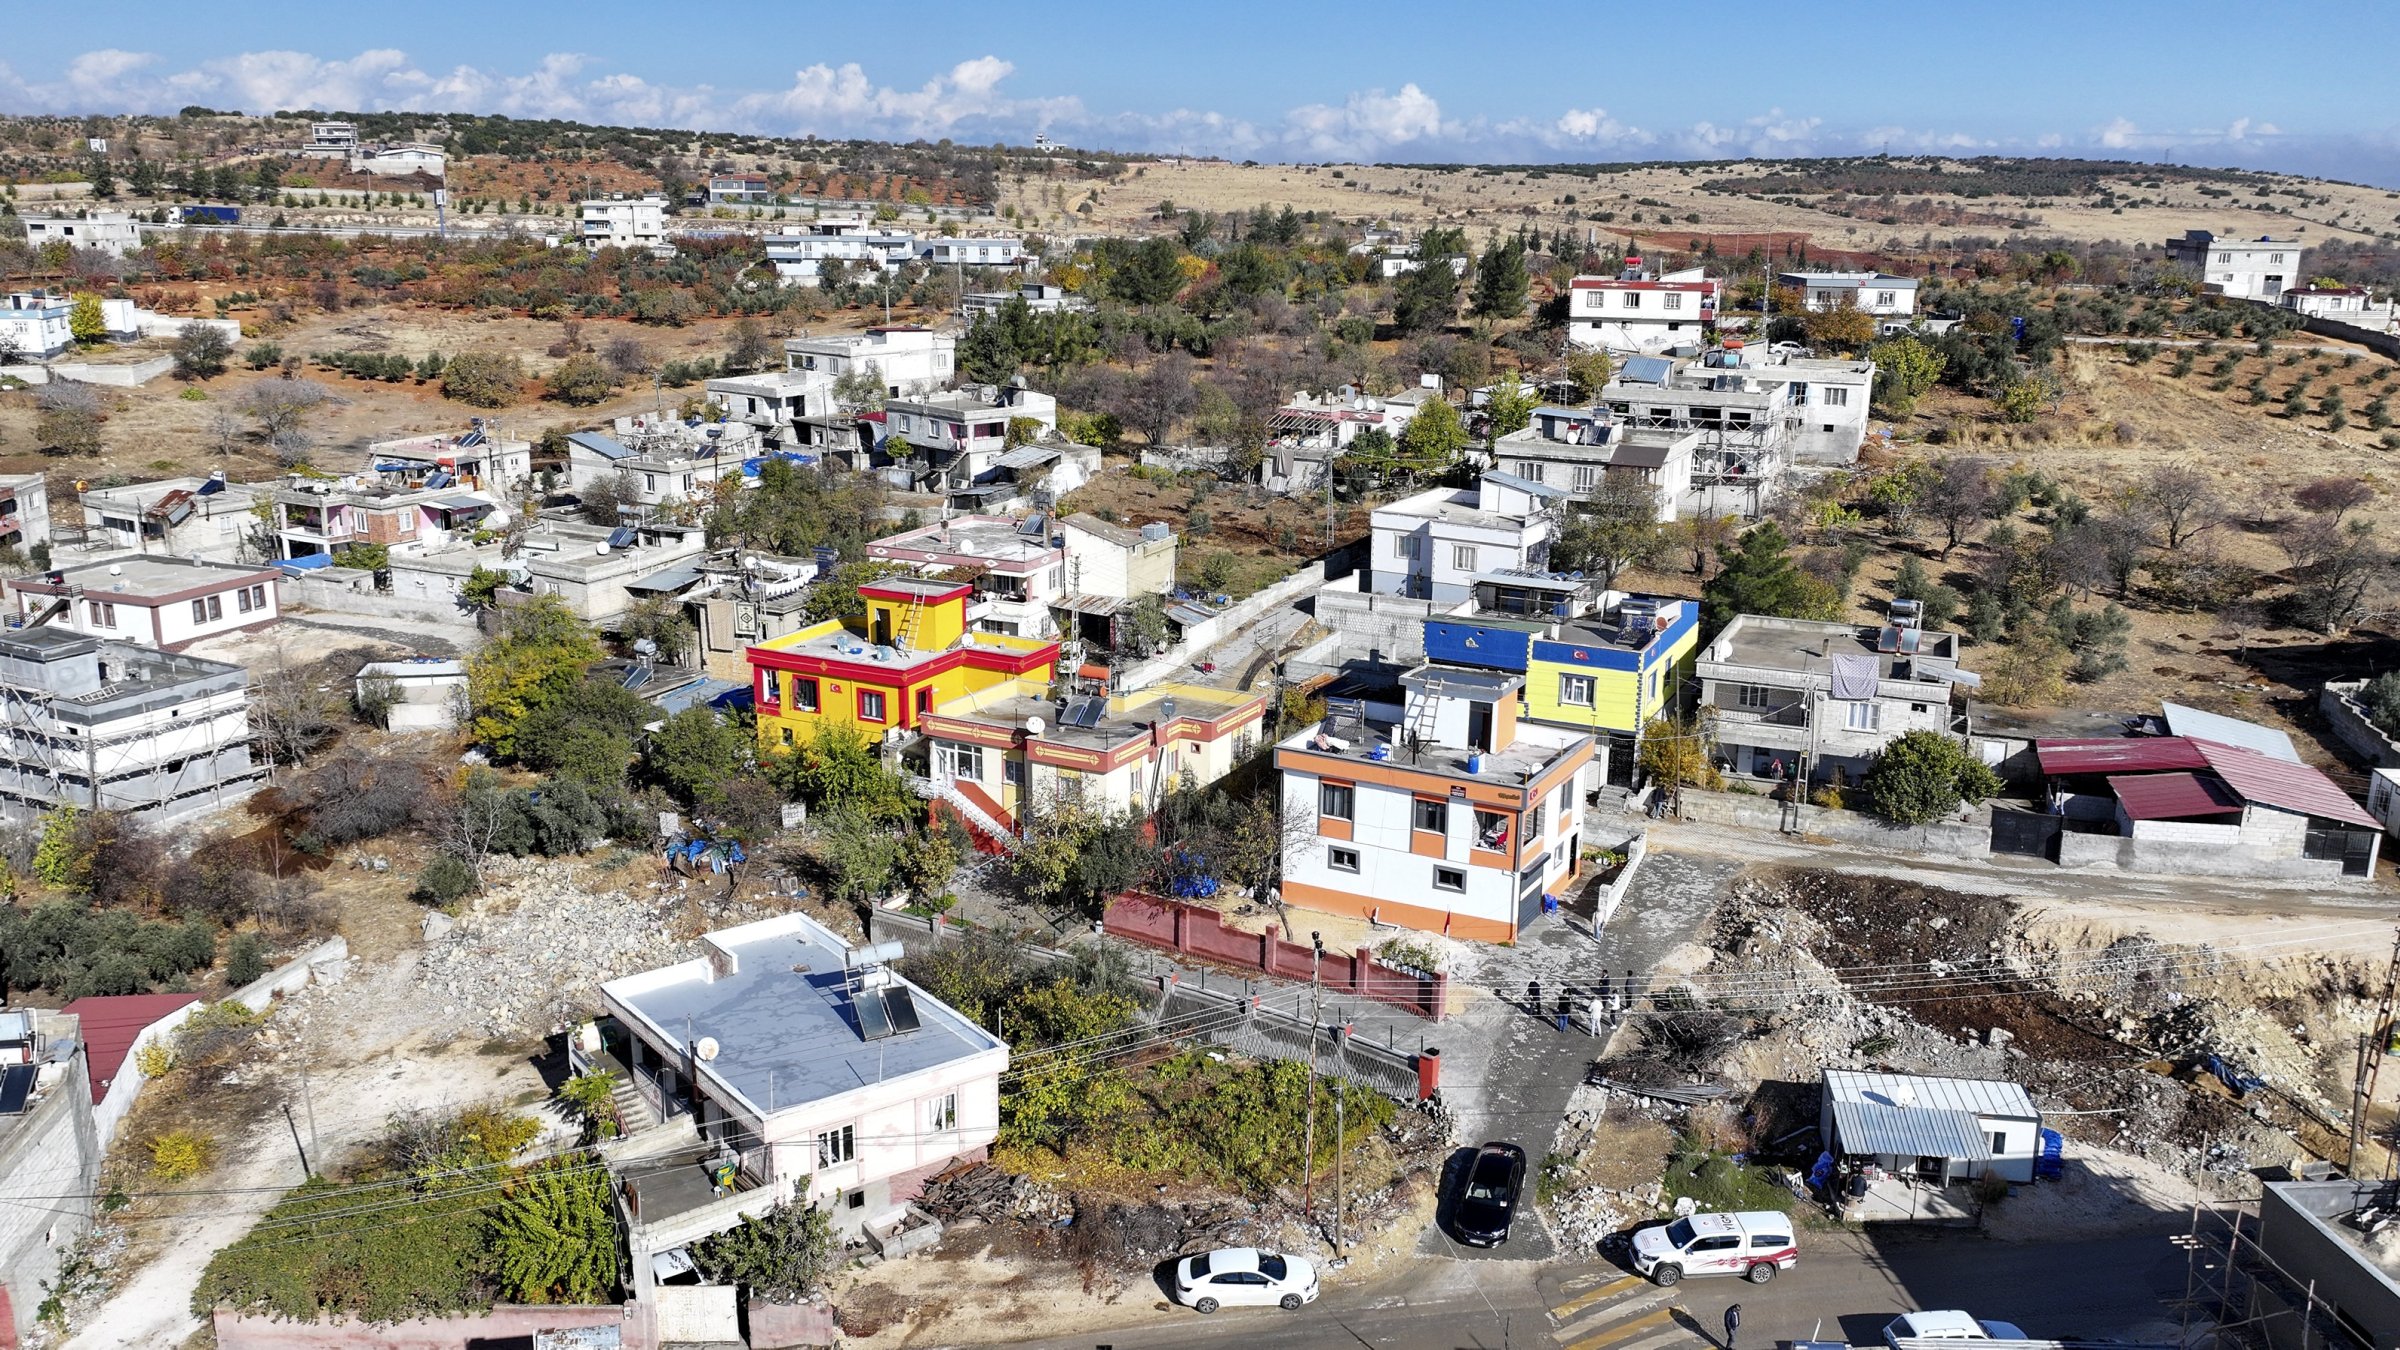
[[1530, 470], [1449, 879], [2274, 257], [1342, 859], [1575, 691], [835, 1147], [1671, 300], [1462, 557], [1406, 546], [1862, 716], [2224, 257], [1836, 396], [953, 760], [1886, 297], [942, 1113], [649, 482], [1633, 299], [1587, 477]]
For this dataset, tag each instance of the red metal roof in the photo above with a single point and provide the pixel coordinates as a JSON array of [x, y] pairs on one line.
[[110, 1025], [2118, 754], [2279, 783], [2173, 796]]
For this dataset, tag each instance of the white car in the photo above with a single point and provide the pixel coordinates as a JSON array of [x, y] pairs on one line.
[[1233, 1276], [1753, 1244], [1950, 1325]]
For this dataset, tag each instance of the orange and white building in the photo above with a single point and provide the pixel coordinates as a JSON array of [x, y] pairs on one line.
[[1456, 819], [910, 655], [994, 752], [1639, 311]]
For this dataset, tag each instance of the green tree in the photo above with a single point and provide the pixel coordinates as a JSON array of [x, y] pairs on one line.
[[2019, 401], [85, 321], [1589, 370], [1431, 442], [1613, 529], [1500, 281], [781, 1256], [202, 352], [483, 379], [1759, 577], [1510, 408], [1426, 300], [102, 177], [839, 767], [1905, 369], [554, 1236], [1152, 275], [694, 754], [582, 379], [1923, 776], [537, 659], [985, 355]]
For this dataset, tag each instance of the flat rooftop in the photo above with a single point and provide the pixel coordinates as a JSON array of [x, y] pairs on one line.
[[989, 539], [1805, 645], [786, 1019], [1536, 749], [1120, 717], [145, 576]]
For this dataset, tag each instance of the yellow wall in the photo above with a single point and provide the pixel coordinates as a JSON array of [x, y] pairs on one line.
[[1614, 692], [938, 625]]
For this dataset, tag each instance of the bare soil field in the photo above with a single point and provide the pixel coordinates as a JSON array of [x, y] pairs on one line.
[[1488, 201], [1266, 536]]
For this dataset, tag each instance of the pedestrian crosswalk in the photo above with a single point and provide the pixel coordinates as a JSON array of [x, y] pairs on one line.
[[1605, 1310]]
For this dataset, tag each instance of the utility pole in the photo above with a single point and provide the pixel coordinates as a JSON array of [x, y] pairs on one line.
[[305, 1169], [1341, 1133], [1308, 1136]]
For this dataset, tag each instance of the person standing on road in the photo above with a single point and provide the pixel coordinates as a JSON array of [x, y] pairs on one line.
[[1733, 1324], [1533, 997], [1566, 1004], [1595, 1010]]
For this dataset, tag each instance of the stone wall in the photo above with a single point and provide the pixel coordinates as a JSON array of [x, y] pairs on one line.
[[505, 1324], [1387, 627], [1970, 838]]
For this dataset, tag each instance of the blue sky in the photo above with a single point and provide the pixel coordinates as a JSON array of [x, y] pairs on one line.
[[2295, 86]]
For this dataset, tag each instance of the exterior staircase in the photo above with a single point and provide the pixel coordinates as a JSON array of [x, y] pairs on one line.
[[947, 792]]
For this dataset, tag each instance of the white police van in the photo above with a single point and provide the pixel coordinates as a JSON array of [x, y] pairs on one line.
[[1753, 1244]]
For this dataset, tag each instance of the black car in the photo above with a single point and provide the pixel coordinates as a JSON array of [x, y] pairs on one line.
[[1489, 1203]]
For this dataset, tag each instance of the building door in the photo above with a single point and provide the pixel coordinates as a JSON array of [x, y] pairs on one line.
[[2031, 834], [925, 701], [1479, 726], [1618, 766], [883, 628]]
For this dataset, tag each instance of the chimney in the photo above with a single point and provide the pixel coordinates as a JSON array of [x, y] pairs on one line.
[[722, 963]]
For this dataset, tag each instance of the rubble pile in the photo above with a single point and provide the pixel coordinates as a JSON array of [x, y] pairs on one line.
[[983, 1192], [2117, 1036]]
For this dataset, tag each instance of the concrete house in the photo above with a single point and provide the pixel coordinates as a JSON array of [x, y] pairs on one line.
[[105, 725], [2329, 1240], [1640, 311], [1018, 570], [1756, 414], [50, 1145], [1794, 694], [24, 510], [2259, 269], [906, 360], [1039, 297], [427, 691], [595, 570], [1573, 451], [958, 438], [1116, 563], [318, 517], [982, 251], [207, 518], [1455, 818], [1877, 293], [773, 401], [2347, 303], [2193, 804], [667, 460], [480, 459], [913, 653], [1434, 545], [114, 233], [167, 603], [798, 1068], [623, 222], [35, 325]]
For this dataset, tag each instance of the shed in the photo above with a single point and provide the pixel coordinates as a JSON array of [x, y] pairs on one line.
[[1938, 1129]]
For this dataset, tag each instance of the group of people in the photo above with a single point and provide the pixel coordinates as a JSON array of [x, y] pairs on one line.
[[1600, 1005]]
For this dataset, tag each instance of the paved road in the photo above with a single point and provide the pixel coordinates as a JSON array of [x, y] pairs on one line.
[[1846, 1287]]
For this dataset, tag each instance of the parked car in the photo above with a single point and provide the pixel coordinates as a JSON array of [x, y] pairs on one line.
[[1949, 1325], [1488, 1204], [1753, 1244], [1244, 1275]]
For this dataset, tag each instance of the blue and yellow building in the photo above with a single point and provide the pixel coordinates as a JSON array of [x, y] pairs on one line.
[[1604, 664]]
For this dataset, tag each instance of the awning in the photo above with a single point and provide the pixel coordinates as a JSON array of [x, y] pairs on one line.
[[665, 582], [459, 506], [1025, 457], [1090, 604], [1909, 1131], [1188, 615]]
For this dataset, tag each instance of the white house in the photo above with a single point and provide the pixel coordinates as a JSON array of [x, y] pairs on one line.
[[1637, 312], [426, 691], [1019, 568], [985, 251], [114, 233], [773, 400], [1573, 451], [2347, 303], [2261, 269], [1434, 545], [1876, 293], [167, 603], [207, 518], [479, 457], [800, 258], [908, 360], [35, 326], [24, 510], [399, 161], [624, 222], [1039, 297], [1938, 1130], [121, 727], [961, 435], [812, 1068]]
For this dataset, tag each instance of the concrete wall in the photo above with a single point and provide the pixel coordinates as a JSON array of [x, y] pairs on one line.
[[127, 1087], [2296, 1227], [52, 1150], [2339, 702], [131, 376], [325, 963], [1201, 636], [1971, 838], [1390, 628], [505, 1324], [2178, 857]]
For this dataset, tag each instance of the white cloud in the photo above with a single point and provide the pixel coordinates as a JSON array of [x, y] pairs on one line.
[[1367, 124], [829, 100]]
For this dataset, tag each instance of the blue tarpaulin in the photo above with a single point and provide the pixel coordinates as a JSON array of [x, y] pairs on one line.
[[307, 562]]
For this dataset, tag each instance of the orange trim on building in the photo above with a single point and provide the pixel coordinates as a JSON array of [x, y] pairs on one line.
[[1417, 781], [1427, 844], [1333, 827], [1419, 917]]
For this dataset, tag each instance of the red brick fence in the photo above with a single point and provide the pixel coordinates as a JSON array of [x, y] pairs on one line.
[[1195, 930]]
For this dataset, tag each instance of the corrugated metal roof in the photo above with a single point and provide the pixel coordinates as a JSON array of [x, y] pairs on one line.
[[607, 447], [2292, 787], [2200, 724], [2118, 754], [1909, 1131], [1525, 485], [1980, 1096], [2173, 796], [110, 1025], [665, 581], [1025, 457], [1188, 615]]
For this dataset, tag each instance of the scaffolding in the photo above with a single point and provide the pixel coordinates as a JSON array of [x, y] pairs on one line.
[[44, 765], [2237, 1297]]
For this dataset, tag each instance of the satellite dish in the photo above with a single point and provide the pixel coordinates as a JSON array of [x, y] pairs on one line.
[[116, 569], [706, 1049], [1033, 726]]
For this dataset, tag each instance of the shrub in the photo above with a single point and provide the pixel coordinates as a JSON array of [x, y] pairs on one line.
[[179, 1155], [1923, 776], [154, 1060], [483, 379], [245, 960], [444, 880]]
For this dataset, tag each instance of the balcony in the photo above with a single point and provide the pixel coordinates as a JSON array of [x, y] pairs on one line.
[[1788, 715]]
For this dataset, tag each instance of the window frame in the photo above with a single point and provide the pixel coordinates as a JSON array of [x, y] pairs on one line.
[[1349, 801], [1335, 860], [1862, 714], [792, 694], [1420, 809], [941, 1113], [1462, 557], [838, 1146], [1671, 300], [883, 706], [1567, 682], [1460, 888]]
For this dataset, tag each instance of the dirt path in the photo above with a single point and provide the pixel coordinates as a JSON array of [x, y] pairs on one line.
[[352, 1088]]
